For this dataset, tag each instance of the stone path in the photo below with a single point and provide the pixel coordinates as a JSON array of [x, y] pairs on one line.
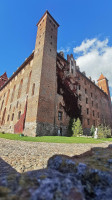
[[24, 156]]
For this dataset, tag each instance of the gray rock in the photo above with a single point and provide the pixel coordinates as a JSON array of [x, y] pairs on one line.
[[62, 164], [110, 146], [110, 161]]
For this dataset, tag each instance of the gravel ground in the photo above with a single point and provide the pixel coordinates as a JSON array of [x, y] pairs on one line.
[[22, 156]]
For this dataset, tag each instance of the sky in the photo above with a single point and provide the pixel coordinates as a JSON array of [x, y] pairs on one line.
[[85, 31]]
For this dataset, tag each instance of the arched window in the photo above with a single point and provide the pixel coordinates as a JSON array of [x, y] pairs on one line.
[[12, 117], [80, 97], [33, 89], [20, 88], [12, 97], [60, 106], [17, 104], [2, 104], [19, 114], [8, 118], [7, 97], [3, 117], [28, 84]]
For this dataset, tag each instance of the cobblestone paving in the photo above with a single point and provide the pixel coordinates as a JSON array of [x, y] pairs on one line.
[[25, 156]]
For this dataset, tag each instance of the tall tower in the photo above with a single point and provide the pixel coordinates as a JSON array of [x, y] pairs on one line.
[[103, 84], [41, 110]]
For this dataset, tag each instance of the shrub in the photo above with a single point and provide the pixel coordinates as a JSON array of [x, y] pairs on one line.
[[70, 132], [107, 132], [92, 131], [104, 131], [77, 127]]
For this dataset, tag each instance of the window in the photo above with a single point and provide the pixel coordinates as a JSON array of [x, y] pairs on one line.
[[2, 105], [12, 97], [10, 107], [91, 94], [7, 97], [28, 84], [59, 116], [79, 87], [80, 97], [20, 88], [80, 108], [19, 114], [87, 111], [33, 89], [12, 117], [8, 118], [92, 103], [98, 114], [88, 121], [96, 105], [85, 91], [60, 106], [3, 117], [17, 104], [86, 100], [93, 113]]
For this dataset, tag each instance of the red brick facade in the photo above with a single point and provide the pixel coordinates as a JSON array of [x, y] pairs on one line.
[[54, 89]]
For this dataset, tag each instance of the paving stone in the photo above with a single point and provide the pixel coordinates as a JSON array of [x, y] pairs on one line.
[[24, 156]]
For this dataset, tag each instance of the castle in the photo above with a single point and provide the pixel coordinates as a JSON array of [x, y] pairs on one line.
[[47, 90]]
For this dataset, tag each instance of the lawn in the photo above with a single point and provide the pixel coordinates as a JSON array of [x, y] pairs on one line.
[[53, 139]]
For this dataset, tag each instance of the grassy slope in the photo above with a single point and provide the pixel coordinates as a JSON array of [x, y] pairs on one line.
[[52, 139]]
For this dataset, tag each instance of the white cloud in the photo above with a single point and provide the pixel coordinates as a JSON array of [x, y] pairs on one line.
[[65, 50], [95, 57], [86, 44]]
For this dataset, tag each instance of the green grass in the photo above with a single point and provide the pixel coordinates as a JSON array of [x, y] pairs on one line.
[[53, 139]]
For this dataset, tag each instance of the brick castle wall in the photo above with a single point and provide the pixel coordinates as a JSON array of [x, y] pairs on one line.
[[35, 82]]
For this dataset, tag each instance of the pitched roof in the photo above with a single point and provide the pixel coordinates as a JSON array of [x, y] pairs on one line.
[[4, 76], [101, 77]]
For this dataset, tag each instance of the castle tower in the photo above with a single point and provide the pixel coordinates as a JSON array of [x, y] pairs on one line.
[[42, 117], [103, 84]]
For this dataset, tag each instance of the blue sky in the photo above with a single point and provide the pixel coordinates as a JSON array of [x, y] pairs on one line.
[[85, 30]]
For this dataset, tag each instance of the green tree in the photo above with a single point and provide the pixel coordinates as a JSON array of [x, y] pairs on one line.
[[70, 132], [77, 127], [101, 131], [104, 131], [107, 132], [92, 131]]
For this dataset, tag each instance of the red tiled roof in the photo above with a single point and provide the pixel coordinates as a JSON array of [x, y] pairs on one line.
[[4, 76]]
